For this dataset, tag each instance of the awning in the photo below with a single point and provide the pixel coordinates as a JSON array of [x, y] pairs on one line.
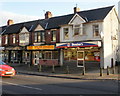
[[79, 44]]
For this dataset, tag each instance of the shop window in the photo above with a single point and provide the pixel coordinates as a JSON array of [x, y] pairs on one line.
[[95, 30], [55, 55], [66, 33], [53, 32]]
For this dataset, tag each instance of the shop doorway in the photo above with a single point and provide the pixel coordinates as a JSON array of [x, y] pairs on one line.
[[36, 58], [80, 59]]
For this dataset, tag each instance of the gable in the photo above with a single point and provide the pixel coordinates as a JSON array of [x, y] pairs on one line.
[[38, 28], [24, 30], [76, 20]]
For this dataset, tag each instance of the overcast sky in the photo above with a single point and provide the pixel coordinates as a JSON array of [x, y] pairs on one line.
[[22, 10]]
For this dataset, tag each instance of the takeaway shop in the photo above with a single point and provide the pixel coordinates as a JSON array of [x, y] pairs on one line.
[[80, 51], [44, 55]]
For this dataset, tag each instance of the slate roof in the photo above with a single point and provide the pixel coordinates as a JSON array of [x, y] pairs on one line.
[[55, 22]]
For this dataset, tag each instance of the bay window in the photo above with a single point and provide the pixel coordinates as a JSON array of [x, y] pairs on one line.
[[24, 38]]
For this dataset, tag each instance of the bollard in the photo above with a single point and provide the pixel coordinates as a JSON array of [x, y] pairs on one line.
[[83, 71], [101, 71], [108, 70], [67, 70], [113, 70], [53, 69], [40, 68]]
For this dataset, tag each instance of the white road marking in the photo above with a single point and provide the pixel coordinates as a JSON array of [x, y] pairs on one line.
[[21, 85]]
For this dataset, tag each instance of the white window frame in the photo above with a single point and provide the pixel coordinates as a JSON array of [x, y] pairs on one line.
[[64, 33], [80, 29], [23, 38], [95, 30]]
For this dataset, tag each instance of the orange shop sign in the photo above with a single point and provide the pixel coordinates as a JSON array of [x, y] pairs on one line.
[[40, 47]]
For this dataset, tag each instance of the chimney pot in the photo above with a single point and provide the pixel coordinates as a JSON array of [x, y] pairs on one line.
[[10, 22], [48, 14], [76, 10]]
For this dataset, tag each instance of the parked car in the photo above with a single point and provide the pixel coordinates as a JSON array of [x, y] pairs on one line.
[[6, 70]]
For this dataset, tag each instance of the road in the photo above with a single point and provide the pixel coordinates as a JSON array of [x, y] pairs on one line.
[[30, 84]]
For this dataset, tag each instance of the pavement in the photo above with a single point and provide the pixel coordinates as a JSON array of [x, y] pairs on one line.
[[71, 72]]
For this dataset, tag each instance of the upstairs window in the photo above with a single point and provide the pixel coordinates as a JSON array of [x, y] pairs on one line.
[[14, 38], [24, 38], [6, 39], [95, 30], [43, 36], [78, 29], [0, 40], [66, 31], [39, 36], [53, 32]]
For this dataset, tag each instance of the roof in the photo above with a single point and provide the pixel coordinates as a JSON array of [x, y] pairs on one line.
[[55, 22]]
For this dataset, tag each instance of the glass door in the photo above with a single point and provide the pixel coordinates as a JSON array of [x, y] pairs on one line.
[[80, 58]]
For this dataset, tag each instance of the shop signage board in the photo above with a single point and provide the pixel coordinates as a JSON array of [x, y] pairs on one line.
[[79, 44], [40, 47]]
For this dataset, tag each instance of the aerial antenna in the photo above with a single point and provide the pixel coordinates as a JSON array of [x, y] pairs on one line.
[[76, 5]]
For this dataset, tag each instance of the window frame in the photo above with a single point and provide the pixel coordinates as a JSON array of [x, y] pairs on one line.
[[39, 34], [6, 39], [65, 34], [14, 39], [95, 30], [23, 38], [53, 34], [80, 29]]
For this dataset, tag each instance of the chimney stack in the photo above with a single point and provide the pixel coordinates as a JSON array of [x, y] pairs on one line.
[[10, 22], [48, 14], [76, 10]]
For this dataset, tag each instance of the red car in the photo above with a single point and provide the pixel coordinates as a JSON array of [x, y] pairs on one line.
[[6, 70]]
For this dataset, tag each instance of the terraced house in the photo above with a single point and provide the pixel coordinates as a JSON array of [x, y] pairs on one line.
[[90, 35]]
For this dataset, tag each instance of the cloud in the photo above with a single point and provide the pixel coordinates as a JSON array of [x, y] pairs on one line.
[[17, 18]]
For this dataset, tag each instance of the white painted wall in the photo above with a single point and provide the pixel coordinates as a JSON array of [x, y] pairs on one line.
[[110, 46], [88, 31]]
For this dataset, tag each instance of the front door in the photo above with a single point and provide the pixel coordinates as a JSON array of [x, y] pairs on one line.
[[36, 57], [80, 59]]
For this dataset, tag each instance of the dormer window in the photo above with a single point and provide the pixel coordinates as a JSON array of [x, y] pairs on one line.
[[78, 29]]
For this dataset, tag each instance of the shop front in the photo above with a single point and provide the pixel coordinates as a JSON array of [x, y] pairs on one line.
[[13, 54], [80, 51], [1, 54], [44, 55]]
